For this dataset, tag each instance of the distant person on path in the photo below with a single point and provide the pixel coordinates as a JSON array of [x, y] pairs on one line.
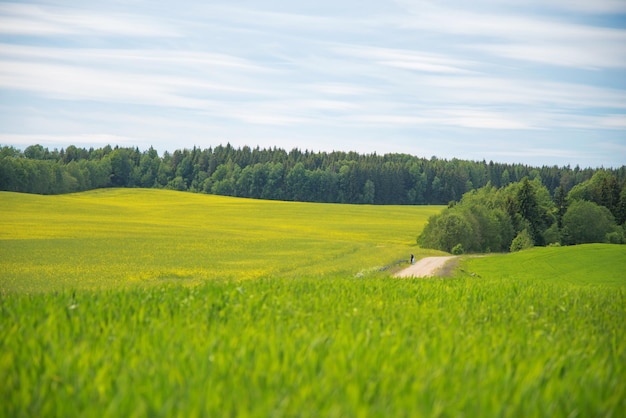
[[412, 259]]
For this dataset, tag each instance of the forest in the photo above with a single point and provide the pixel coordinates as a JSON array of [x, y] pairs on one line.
[[524, 214], [277, 174]]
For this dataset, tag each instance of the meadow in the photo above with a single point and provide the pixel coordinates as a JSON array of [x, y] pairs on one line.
[[598, 264], [532, 334]]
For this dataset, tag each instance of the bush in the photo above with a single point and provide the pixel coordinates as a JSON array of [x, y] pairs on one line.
[[552, 235], [615, 237], [446, 230], [458, 249], [586, 222], [522, 241]]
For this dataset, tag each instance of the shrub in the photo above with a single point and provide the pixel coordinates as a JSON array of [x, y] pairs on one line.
[[615, 237], [446, 230], [586, 222], [522, 241], [552, 235], [458, 249]]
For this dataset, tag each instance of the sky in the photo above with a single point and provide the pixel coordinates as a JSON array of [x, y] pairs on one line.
[[537, 82]]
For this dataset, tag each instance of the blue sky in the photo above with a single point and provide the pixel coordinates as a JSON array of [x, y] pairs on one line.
[[528, 81]]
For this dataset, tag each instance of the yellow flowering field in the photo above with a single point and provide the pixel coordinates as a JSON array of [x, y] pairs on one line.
[[117, 237]]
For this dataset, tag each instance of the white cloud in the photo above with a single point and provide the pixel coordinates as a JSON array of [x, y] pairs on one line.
[[567, 55], [160, 77], [76, 83], [341, 89], [31, 19], [545, 153], [613, 121], [577, 6], [460, 117], [80, 140], [488, 91], [156, 58], [407, 59], [529, 37]]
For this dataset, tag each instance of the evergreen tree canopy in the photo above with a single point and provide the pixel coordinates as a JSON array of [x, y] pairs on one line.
[[274, 173]]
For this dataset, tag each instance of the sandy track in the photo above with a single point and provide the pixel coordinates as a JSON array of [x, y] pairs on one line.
[[426, 267]]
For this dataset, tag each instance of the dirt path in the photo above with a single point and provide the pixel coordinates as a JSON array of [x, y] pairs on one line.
[[426, 267]]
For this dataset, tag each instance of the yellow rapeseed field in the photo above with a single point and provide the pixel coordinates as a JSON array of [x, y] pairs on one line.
[[116, 237]]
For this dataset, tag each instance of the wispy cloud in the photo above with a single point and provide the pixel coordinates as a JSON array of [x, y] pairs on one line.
[[407, 59], [593, 56], [539, 38], [95, 140], [152, 58], [32, 19], [75, 83], [578, 6]]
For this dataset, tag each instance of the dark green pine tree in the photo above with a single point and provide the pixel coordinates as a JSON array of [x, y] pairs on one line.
[[560, 201], [529, 209], [620, 217], [609, 194]]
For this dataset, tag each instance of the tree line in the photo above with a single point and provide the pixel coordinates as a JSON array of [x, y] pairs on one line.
[[273, 173], [524, 214]]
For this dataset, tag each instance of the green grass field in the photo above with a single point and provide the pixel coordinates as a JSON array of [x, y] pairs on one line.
[[153, 326], [580, 264]]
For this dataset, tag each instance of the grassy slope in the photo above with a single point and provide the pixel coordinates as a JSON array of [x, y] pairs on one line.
[[582, 264], [110, 237], [339, 347]]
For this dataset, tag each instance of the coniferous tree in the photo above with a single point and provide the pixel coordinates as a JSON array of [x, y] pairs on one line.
[[529, 209], [621, 207], [560, 202]]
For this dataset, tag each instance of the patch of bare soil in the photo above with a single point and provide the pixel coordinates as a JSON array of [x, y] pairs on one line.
[[429, 267], [447, 269]]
